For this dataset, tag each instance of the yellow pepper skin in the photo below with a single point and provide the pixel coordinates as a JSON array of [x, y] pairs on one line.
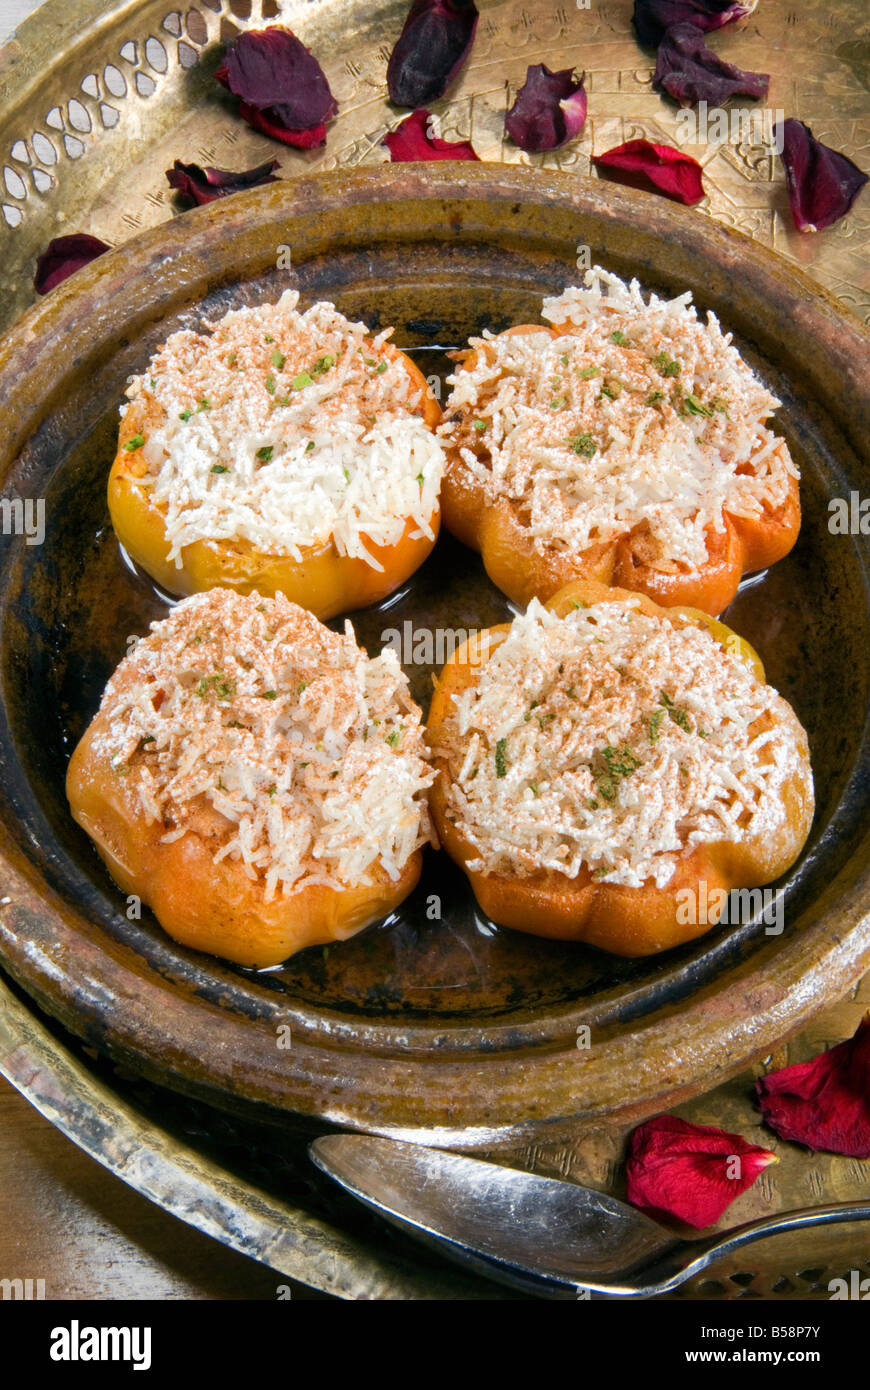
[[522, 571], [323, 581], [213, 907], [624, 920]]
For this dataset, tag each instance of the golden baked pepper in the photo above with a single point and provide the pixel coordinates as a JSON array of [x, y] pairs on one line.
[[629, 921]]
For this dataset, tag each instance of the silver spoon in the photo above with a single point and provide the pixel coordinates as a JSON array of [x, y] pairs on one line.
[[539, 1234]]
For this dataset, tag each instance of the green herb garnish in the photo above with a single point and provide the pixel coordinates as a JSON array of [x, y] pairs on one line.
[[501, 758], [135, 443], [224, 688], [303, 379], [655, 724], [584, 444], [668, 366], [679, 716], [219, 468], [278, 359], [618, 763], [266, 452]]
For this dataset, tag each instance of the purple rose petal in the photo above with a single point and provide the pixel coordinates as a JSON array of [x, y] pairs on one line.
[[690, 72], [433, 45], [653, 17], [200, 185], [282, 88], [549, 110], [822, 183], [63, 257]]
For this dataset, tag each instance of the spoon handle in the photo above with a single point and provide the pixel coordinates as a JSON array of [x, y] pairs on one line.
[[691, 1257]]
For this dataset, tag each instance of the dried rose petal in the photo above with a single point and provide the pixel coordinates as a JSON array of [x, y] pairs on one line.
[[413, 140], [690, 1171], [824, 1103], [659, 168], [653, 17], [690, 72], [282, 88], [433, 45], [63, 257], [549, 110], [200, 185], [822, 183]]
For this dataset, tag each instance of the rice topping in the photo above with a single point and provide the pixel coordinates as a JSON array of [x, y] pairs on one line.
[[614, 739], [287, 430]]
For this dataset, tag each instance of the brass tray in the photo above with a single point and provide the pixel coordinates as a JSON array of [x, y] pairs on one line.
[[98, 97], [452, 1030]]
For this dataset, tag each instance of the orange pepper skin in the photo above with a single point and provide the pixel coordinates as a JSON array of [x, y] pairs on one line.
[[323, 581], [623, 920], [522, 571], [208, 906]]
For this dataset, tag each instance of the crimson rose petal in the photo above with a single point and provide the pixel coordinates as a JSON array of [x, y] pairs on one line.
[[433, 45], [690, 1171], [204, 185], [690, 72], [550, 109], [282, 88], [824, 1103], [653, 17], [63, 256], [413, 140], [659, 168], [822, 183]]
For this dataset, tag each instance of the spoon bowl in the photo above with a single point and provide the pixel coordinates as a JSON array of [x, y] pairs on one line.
[[539, 1234]]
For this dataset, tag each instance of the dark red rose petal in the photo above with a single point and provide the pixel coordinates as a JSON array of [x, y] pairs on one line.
[[63, 257], [690, 1171], [433, 45], [653, 17], [200, 185], [822, 183], [549, 110], [267, 122], [282, 88], [657, 168], [412, 140], [824, 1103], [690, 72]]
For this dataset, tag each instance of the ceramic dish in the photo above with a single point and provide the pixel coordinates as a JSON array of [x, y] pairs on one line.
[[426, 1026]]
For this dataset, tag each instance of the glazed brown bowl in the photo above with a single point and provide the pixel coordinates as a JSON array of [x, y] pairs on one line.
[[433, 1024]]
